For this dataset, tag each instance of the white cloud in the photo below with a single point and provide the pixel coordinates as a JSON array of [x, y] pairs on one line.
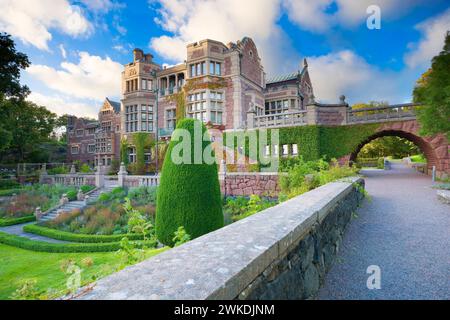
[[62, 105], [102, 5], [321, 15], [223, 20], [31, 22], [433, 35], [93, 77], [346, 73], [308, 14], [63, 51]]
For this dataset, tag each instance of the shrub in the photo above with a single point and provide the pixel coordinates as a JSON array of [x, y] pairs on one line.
[[25, 243], [188, 194], [8, 184], [307, 175], [243, 207], [84, 168], [58, 170], [13, 221], [72, 194], [143, 195], [85, 189], [380, 163], [75, 237]]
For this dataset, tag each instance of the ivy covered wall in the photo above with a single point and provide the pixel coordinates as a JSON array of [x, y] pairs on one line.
[[315, 142]]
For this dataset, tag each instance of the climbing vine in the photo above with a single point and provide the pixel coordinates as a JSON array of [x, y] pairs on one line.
[[141, 141], [180, 98], [124, 151], [315, 142]]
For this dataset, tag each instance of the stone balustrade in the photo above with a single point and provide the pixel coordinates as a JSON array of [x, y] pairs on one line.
[[332, 114], [283, 252], [298, 118], [73, 179], [382, 114]]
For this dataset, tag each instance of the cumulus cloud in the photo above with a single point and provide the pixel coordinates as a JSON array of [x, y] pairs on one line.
[[321, 15], [433, 33], [93, 77], [62, 105], [345, 72], [32, 22], [223, 20]]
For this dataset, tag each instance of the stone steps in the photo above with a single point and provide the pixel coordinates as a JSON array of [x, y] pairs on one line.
[[78, 204]]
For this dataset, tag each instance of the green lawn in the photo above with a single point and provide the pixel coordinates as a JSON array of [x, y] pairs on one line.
[[18, 265]]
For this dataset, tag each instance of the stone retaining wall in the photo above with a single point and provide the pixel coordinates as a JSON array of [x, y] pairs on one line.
[[280, 253], [248, 183]]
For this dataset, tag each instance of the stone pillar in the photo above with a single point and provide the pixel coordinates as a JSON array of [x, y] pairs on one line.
[[311, 114], [80, 195], [99, 177], [251, 114], [38, 213], [223, 176], [122, 175], [43, 173]]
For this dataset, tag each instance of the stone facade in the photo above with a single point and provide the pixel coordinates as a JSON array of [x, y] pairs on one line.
[[81, 140], [95, 141], [229, 81]]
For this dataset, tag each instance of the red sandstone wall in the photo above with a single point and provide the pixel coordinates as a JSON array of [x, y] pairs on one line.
[[247, 184]]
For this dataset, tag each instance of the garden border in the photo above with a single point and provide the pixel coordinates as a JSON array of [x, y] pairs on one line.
[[77, 237], [40, 246]]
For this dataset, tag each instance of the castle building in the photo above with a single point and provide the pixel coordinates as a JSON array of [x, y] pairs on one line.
[[219, 83]]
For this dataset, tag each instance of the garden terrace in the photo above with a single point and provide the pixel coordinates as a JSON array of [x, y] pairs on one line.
[[248, 259]]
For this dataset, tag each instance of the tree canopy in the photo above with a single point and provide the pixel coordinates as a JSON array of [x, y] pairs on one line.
[[432, 91], [11, 62]]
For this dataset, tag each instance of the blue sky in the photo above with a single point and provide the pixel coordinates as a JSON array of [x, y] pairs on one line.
[[77, 48]]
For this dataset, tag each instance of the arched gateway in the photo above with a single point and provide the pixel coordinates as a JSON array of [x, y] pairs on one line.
[[435, 148]]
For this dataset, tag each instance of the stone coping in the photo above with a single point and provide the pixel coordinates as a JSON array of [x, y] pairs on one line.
[[444, 195], [221, 264]]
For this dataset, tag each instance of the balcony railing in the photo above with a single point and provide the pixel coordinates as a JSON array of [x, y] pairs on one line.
[[380, 114], [296, 118]]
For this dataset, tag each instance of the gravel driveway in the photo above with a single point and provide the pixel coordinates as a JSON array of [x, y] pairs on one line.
[[405, 231]]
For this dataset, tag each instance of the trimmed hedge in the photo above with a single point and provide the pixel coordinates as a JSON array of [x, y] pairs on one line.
[[5, 222], [189, 194], [25, 243], [75, 237], [9, 192]]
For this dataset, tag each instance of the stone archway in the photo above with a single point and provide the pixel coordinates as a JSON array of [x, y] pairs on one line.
[[435, 148]]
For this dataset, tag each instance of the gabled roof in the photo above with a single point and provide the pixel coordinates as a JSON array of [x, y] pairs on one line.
[[114, 104], [286, 77]]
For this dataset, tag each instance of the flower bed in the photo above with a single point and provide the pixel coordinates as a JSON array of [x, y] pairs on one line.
[[107, 216], [31, 197]]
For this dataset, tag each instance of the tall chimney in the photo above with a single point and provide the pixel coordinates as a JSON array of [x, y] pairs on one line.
[[138, 54]]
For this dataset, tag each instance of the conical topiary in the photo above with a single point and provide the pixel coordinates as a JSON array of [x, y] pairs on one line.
[[188, 194]]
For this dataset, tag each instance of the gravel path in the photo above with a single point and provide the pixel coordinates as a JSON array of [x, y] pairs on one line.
[[18, 231], [404, 230]]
